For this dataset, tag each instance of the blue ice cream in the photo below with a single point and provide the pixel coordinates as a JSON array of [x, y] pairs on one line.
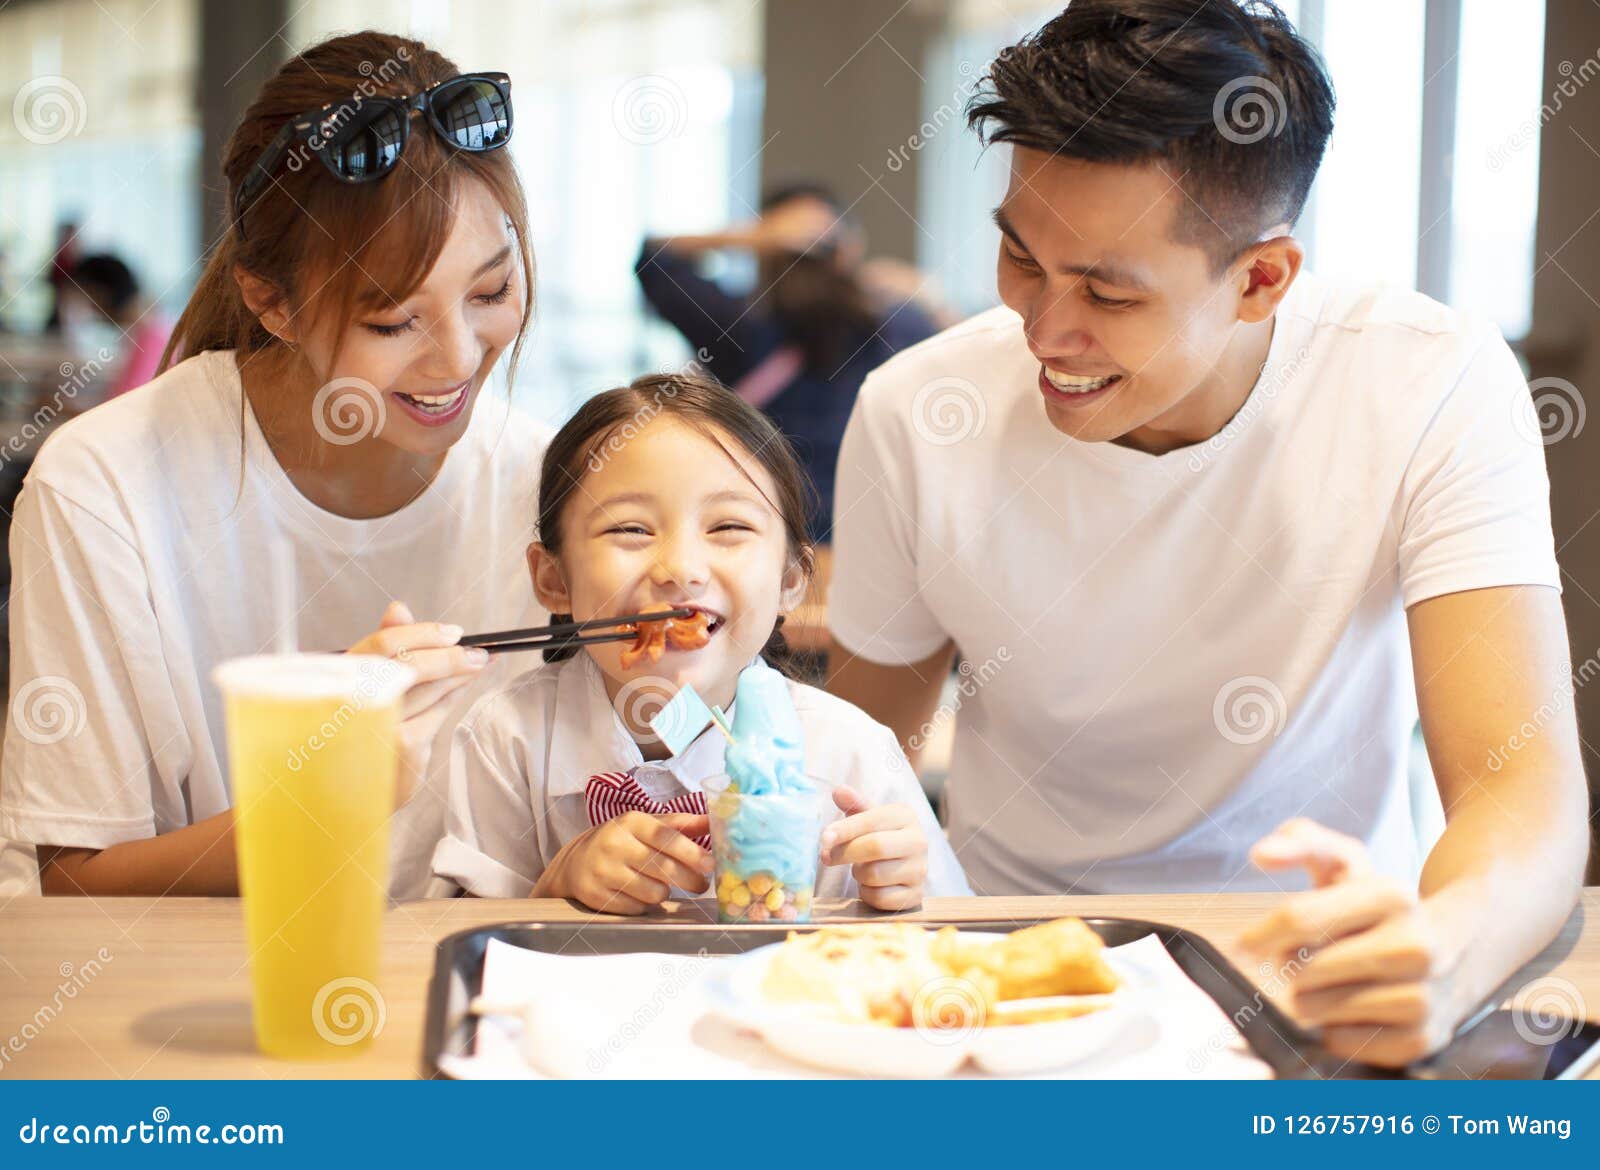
[[767, 754], [765, 828]]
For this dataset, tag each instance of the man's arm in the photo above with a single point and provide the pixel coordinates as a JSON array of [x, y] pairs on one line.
[[903, 698], [196, 860], [1389, 973], [1490, 665]]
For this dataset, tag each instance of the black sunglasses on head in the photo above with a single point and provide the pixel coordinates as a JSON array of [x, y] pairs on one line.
[[361, 140]]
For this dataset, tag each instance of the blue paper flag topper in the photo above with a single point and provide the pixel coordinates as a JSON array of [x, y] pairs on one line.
[[682, 720]]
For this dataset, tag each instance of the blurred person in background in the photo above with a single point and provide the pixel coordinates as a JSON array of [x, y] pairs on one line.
[[62, 262], [105, 288], [818, 319]]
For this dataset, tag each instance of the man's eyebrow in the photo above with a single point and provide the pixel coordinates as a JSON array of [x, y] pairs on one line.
[[493, 262], [1101, 270]]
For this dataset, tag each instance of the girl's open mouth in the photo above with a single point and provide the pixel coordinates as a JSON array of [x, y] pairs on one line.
[[433, 410]]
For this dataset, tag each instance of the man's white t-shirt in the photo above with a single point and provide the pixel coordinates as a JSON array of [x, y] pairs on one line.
[[140, 559], [1172, 654]]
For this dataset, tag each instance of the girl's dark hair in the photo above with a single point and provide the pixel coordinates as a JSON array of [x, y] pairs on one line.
[[607, 421], [822, 305], [1224, 92]]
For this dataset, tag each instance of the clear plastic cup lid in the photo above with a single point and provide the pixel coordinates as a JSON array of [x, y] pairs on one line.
[[364, 678]]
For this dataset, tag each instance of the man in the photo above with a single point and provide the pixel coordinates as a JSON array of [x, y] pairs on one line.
[[1194, 512]]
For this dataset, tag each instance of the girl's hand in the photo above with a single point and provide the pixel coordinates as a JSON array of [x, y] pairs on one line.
[[1362, 958], [884, 847], [442, 667], [630, 863]]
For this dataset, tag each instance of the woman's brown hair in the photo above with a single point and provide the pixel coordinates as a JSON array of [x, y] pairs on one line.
[[609, 420], [344, 248]]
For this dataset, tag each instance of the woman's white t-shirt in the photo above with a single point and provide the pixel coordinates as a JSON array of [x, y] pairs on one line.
[[1174, 653], [140, 560], [521, 761]]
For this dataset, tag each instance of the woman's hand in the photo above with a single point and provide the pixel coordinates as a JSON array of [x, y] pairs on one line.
[[1362, 957], [884, 847], [442, 667], [630, 863]]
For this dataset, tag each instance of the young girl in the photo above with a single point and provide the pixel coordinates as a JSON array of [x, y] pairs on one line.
[[671, 490]]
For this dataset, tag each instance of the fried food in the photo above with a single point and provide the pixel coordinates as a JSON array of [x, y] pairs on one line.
[[902, 975], [651, 638], [1054, 958]]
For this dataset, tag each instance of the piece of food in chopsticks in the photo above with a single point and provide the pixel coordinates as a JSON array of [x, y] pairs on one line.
[[653, 637], [902, 975]]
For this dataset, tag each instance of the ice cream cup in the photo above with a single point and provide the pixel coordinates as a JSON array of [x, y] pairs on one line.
[[765, 848]]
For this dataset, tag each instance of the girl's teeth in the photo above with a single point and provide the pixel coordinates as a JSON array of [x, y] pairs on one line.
[[436, 401]]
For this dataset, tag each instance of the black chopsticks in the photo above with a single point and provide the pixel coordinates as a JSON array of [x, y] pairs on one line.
[[564, 634]]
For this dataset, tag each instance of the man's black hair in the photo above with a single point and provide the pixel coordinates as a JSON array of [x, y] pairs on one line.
[[1223, 93]]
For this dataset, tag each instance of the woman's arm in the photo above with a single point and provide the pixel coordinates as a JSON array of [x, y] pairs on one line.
[[194, 861]]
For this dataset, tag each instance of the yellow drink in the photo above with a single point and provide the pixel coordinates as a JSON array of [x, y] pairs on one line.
[[312, 742]]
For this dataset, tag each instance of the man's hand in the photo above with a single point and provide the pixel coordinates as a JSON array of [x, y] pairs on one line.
[[1364, 959]]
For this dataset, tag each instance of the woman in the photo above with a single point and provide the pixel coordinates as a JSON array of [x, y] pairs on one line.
[[800, 345], [328, 415]]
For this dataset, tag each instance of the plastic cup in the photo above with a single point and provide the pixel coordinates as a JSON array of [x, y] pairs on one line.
[[765, 851], [313, 755]]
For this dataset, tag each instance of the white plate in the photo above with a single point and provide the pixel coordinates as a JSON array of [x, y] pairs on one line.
[[810, 1035]]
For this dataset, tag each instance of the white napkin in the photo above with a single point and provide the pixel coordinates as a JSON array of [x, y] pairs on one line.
[[645, 1016]]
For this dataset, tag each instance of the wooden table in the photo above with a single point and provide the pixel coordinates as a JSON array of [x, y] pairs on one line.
[[171, 996]]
